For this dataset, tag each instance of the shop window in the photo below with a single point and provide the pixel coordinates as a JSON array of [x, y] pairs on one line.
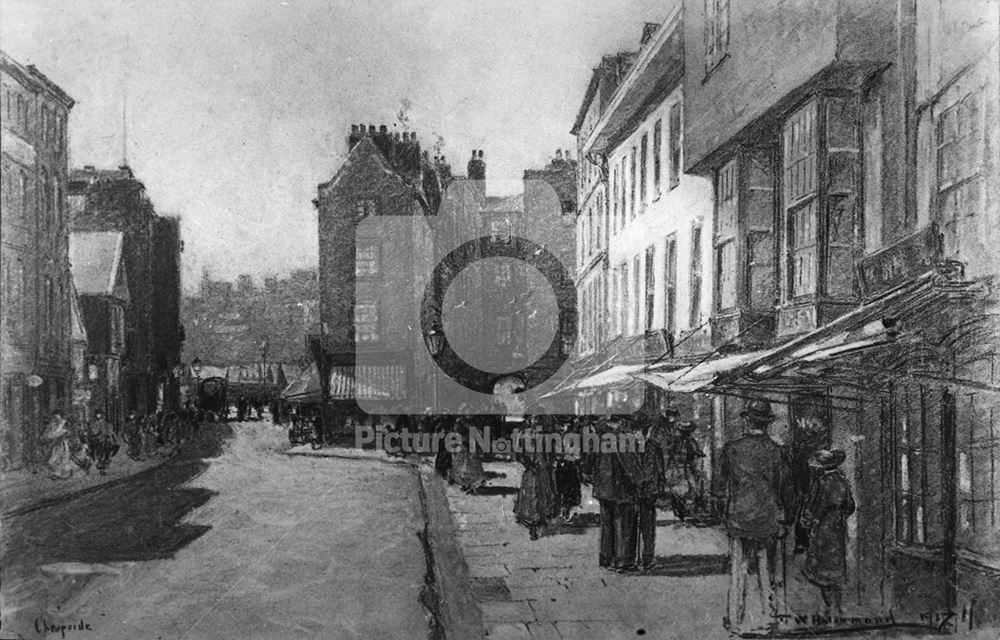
[[918, 426], [977, 441], [670, 284], [365, 207]]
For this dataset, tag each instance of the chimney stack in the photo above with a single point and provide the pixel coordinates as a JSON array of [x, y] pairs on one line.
[[477, 166], [559, 155]]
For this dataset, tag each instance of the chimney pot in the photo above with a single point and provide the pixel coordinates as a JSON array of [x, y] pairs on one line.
[[480, 154], [558, 154], [383, 129], [354, 128], [371, 128]]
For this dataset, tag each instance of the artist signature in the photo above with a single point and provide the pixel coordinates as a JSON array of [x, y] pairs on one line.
[[43, 626]]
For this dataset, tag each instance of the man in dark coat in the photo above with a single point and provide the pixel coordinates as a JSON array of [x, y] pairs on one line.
[[751, 479], [615, 494], [650, 483]]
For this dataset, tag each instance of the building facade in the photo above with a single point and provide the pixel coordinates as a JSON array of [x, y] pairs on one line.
[[385, 173], [37, 290], [116, 201], [101, 281], [855, 201]]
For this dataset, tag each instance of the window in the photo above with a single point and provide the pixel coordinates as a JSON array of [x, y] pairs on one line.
[[636, 293], [675, 144], [366, 323], [650, 287], [23, 193], [626, 298], [504, 274], [117, 329], [614, 200], [657, 157], [918, 452], [977, 440], [727, 213], [365, 207], [959, 160], [22, 114], [716, 32], [501, 229], [799, 140], [695, 319], [643, 155], [670, 284], [367, 262], [632, 185], [503, 330], [621, 184]]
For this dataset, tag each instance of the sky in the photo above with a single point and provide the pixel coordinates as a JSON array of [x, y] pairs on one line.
[[236, 110]]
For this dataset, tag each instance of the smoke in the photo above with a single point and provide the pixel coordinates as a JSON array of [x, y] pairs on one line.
[[403, 115]]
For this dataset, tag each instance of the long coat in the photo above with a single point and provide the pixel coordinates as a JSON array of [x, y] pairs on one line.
[[611, 483], [536, 499], [752, 478], [829, 505]]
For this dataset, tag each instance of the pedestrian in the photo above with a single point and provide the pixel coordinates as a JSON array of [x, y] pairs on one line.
[[103, 442], [466, 468], [566, 472], [442, 458], [752, 481], [683, 470], [60, 463], [650, 484], [536, 498], [827, 508], [151, 432], [133, 436], [615, 495]]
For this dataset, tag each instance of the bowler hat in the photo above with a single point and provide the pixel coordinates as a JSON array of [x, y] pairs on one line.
[[758, 411], [829, 458]]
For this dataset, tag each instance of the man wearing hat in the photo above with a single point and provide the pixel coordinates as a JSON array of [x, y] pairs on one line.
[[682, 461], [615, 493], [827, 508], [751, 480]]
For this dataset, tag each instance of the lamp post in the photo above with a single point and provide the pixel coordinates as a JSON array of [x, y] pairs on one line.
[[434, 340], [196, 369]]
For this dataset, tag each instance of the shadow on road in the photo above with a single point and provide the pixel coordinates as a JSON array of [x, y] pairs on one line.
[[134, 521]]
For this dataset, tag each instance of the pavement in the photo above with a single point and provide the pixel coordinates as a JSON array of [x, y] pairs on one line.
[[552, 588], [23, 490]]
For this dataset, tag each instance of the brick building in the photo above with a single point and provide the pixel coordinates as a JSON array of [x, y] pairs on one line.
[[385, 174], [115, 200], [37, 290], [226, 325]]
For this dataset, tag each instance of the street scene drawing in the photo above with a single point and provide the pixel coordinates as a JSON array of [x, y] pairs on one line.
[[507, 320]]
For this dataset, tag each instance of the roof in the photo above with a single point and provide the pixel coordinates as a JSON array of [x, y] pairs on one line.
[[32, 78], [96, 262]]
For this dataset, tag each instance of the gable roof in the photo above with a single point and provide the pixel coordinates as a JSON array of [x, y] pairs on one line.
[[96, 263]]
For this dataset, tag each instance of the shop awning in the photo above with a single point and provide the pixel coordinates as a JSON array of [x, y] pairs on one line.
[[614, 377], [698, 376], [378, 382], [885, 337], [305, 388]]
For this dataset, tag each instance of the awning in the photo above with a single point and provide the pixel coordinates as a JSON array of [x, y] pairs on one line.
[[378, 382], [614, 377], [698, 376]]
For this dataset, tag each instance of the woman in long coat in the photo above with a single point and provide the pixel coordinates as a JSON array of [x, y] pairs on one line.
[[61, 465], [829, 505], [466, 467], [536, 499]]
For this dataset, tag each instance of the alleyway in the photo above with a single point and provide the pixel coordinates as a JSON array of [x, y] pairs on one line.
[[235, 540]]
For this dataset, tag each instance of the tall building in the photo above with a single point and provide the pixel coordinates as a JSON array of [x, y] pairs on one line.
[[853, 155], [35, 358], [115, 200], [385, 173]]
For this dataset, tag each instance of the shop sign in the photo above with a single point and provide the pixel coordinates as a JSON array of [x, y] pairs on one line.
[[900, 262]]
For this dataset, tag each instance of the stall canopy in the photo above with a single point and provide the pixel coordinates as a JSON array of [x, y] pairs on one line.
[[617, 376], [377, 383]]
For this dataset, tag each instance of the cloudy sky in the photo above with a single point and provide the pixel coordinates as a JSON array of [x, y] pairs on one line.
[[237, 109]]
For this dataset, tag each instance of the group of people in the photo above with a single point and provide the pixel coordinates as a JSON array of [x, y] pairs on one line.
[[77, 448], [755, 483]]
